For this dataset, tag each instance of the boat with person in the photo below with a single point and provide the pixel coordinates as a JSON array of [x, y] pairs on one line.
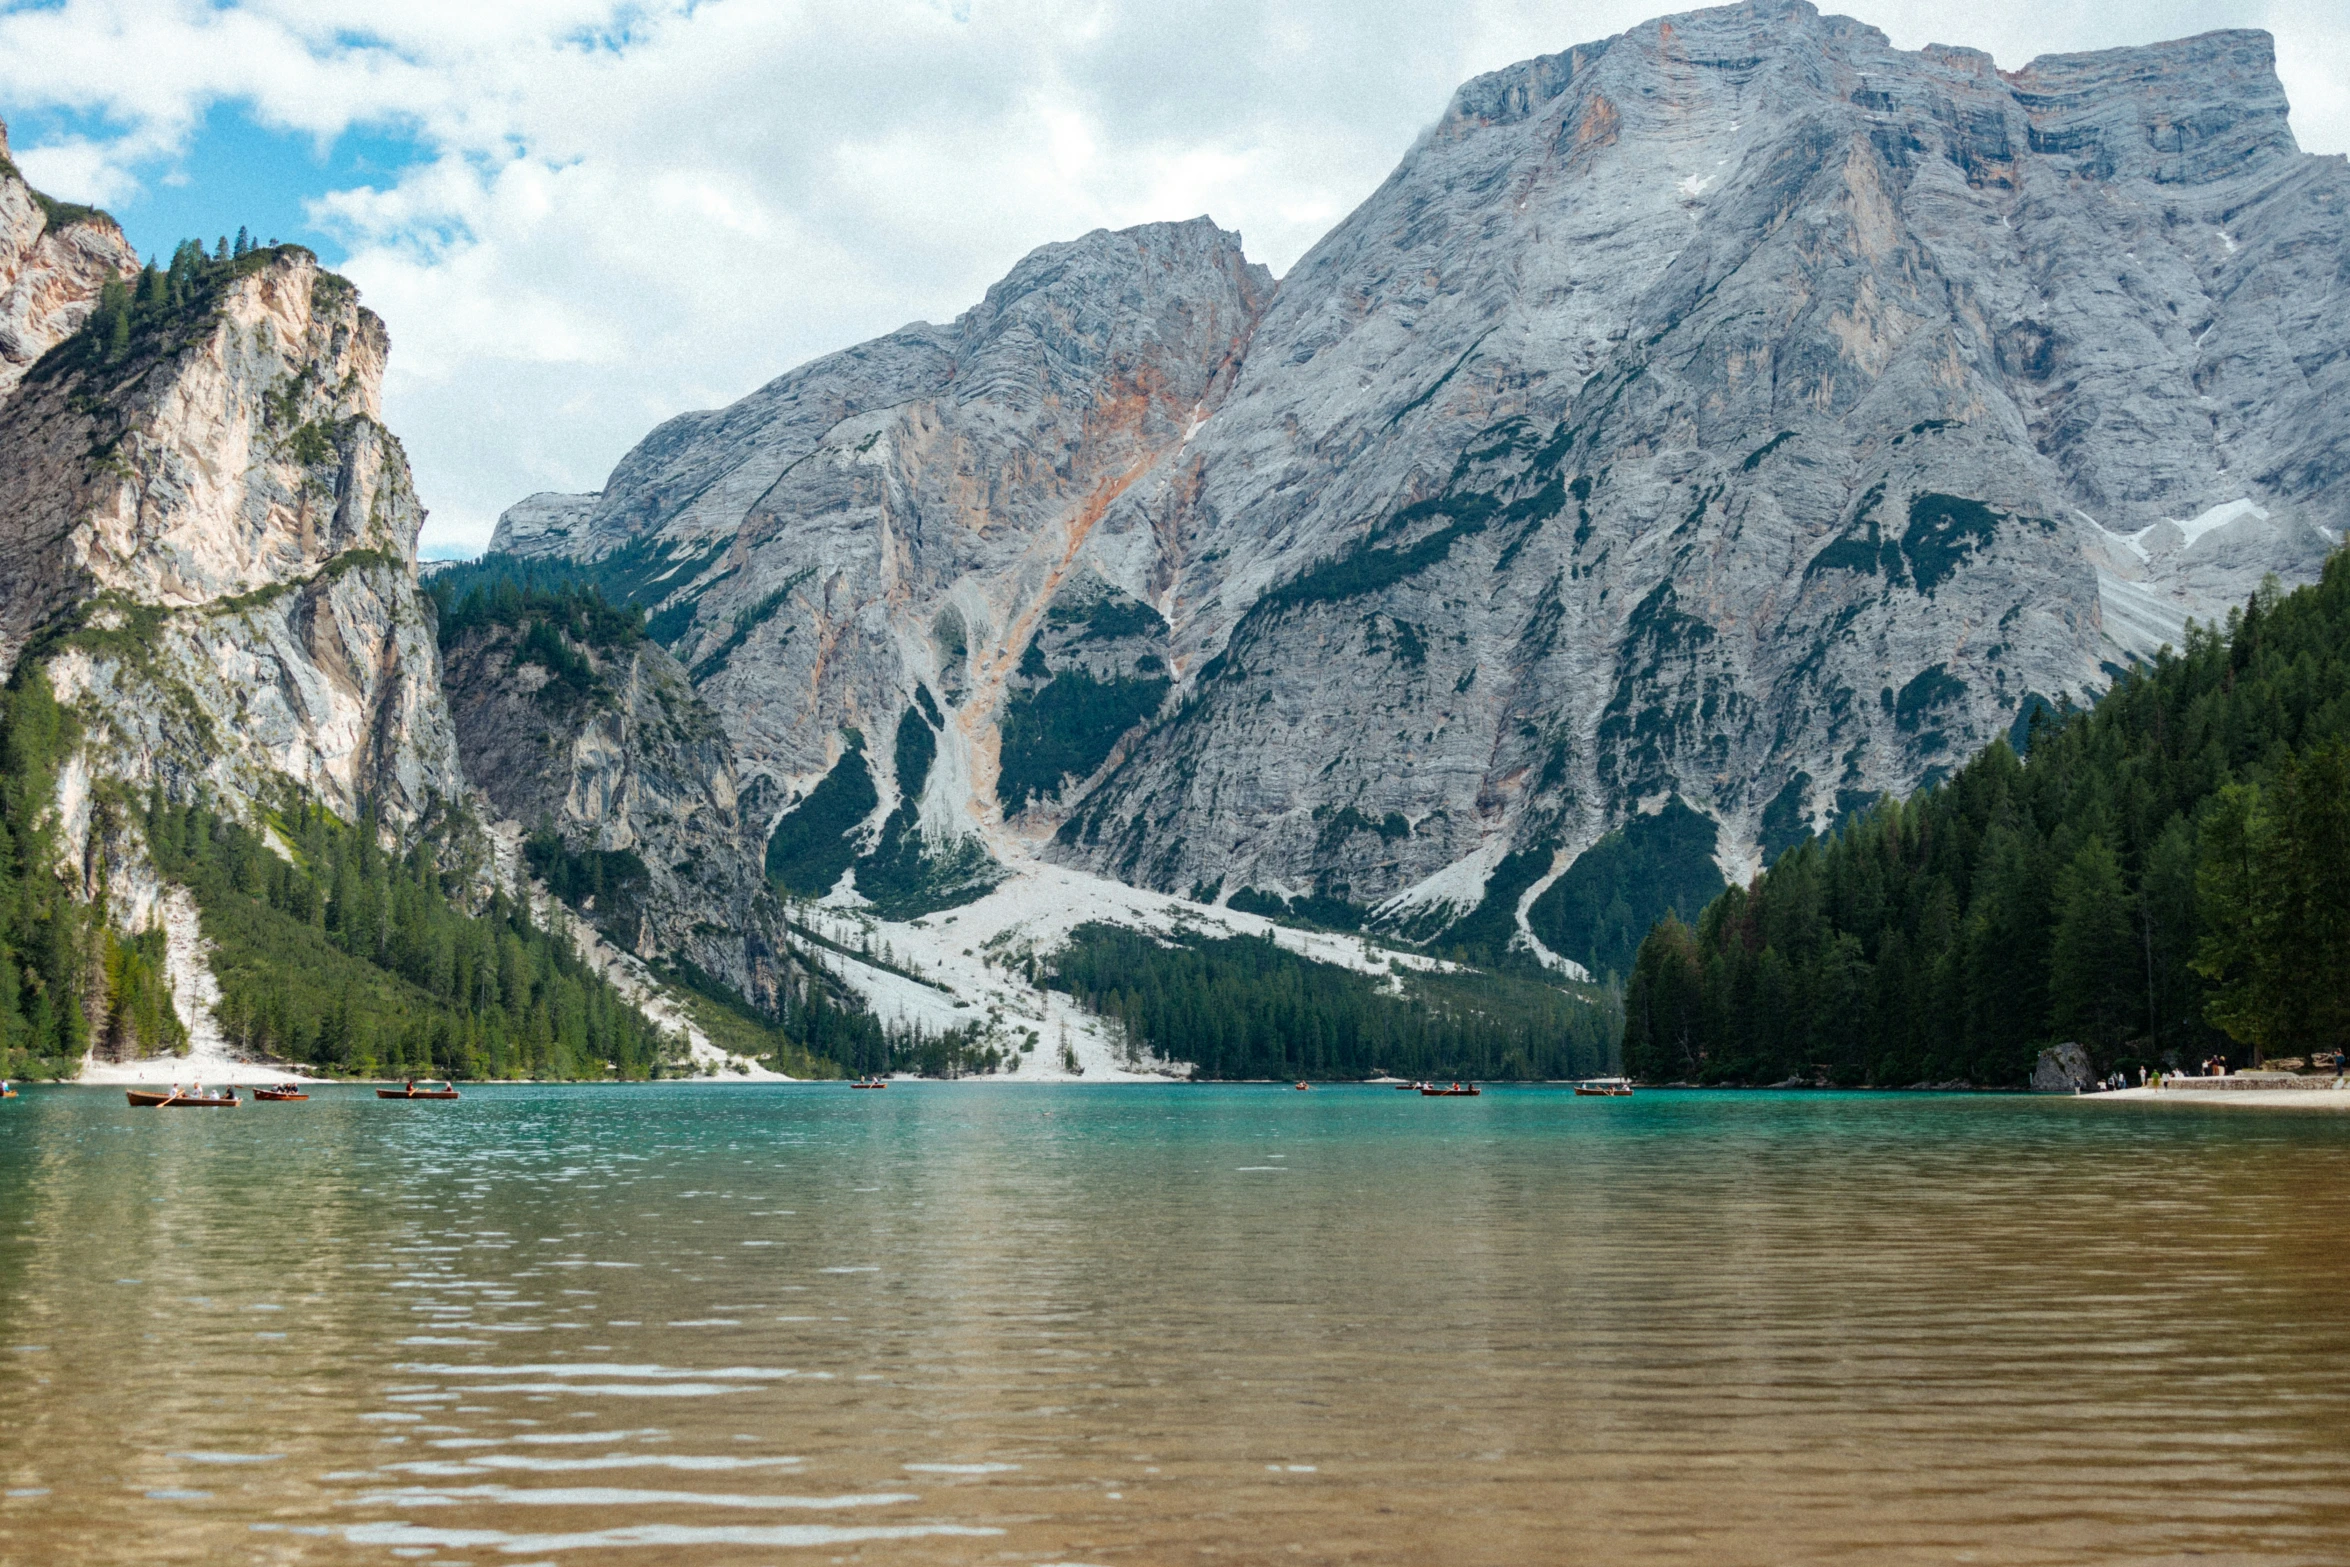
[[1455, 1091], [173, 1099], [421, 1088], [1604, 1088], [279, 1093], [869, 1082]]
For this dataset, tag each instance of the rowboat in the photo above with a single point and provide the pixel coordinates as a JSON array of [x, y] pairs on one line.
[[280, 1094], [146, 1098], [7, 1093], [1409, 1088], [1304, 1087], [869, 1082], [1604, 1088], [1456, 1091], [447, 1090]]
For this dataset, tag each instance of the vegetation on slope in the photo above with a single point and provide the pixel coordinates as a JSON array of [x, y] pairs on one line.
[[2163, 877], [1066, 729], [163, 308], [68, 981], [334, 951], [1240, 1007], [558, 623]]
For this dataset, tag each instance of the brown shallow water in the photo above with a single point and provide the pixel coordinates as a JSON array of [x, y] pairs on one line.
[[1129, 1325]]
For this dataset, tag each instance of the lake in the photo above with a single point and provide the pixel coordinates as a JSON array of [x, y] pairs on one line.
[[993, 1324]]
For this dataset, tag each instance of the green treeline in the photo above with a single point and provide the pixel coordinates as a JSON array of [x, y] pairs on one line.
[[1066, 729], [68, 981], [163, 305], [1239, 1007], [557, 619], [2165, 876], [500, 591], [332, 950]]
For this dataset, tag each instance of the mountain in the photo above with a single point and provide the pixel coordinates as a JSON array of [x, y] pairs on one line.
[[1701, 432], [234, 819]]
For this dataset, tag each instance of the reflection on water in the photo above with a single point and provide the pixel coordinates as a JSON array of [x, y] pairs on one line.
[[990, 1324]]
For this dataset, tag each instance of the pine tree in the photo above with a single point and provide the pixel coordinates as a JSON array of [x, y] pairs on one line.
[[2094, 958]]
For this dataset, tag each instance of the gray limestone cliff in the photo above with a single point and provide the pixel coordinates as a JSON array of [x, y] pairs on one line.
[[889, 529], [1708, 427], [207, 536]]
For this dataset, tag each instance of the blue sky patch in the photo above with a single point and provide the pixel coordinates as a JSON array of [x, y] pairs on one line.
[[233, 171]]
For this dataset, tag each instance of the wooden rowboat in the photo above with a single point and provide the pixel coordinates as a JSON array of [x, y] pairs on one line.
[[447, 1090], [1456, 1091], [873, 1082], [1614, 1088], [142, 1098], [280, 1094]]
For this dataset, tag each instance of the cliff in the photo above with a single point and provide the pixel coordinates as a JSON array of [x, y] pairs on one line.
[[207, 536]]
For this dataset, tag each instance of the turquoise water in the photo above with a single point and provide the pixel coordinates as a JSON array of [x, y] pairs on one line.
[[965, 1323]]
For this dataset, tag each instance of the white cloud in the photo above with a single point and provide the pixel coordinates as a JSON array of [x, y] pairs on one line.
[[630, 209]]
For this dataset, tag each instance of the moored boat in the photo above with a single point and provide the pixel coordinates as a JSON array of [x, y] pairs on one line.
[[422, 1089], [173, 1099]]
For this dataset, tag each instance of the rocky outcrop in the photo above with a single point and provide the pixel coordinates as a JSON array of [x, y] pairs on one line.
[[2064, 1068], [208, 536], [1713, 426], [548, 525], [54, 258], [623, 763]]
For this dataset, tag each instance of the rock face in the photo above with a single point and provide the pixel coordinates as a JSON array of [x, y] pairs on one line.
[[207, 535], [1720, 423], [2062, 1069], [900, 519], [627, 765], [53, 261]]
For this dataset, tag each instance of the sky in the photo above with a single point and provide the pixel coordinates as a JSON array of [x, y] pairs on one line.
[[581, 217]]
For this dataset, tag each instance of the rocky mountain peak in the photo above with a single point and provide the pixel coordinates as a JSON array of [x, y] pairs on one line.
[[1701, 431]]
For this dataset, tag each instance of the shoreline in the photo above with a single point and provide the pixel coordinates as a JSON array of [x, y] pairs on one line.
[[2327, 1098]]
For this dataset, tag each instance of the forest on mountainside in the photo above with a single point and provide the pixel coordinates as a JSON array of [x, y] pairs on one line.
[[333, 950], [2161, 877], [1244, 1007], [68, 980]]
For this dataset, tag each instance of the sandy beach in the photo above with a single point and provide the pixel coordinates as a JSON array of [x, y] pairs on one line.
[[2329, 1098]]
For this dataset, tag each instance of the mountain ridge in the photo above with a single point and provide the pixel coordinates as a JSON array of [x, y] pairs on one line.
[[1737, 411]]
